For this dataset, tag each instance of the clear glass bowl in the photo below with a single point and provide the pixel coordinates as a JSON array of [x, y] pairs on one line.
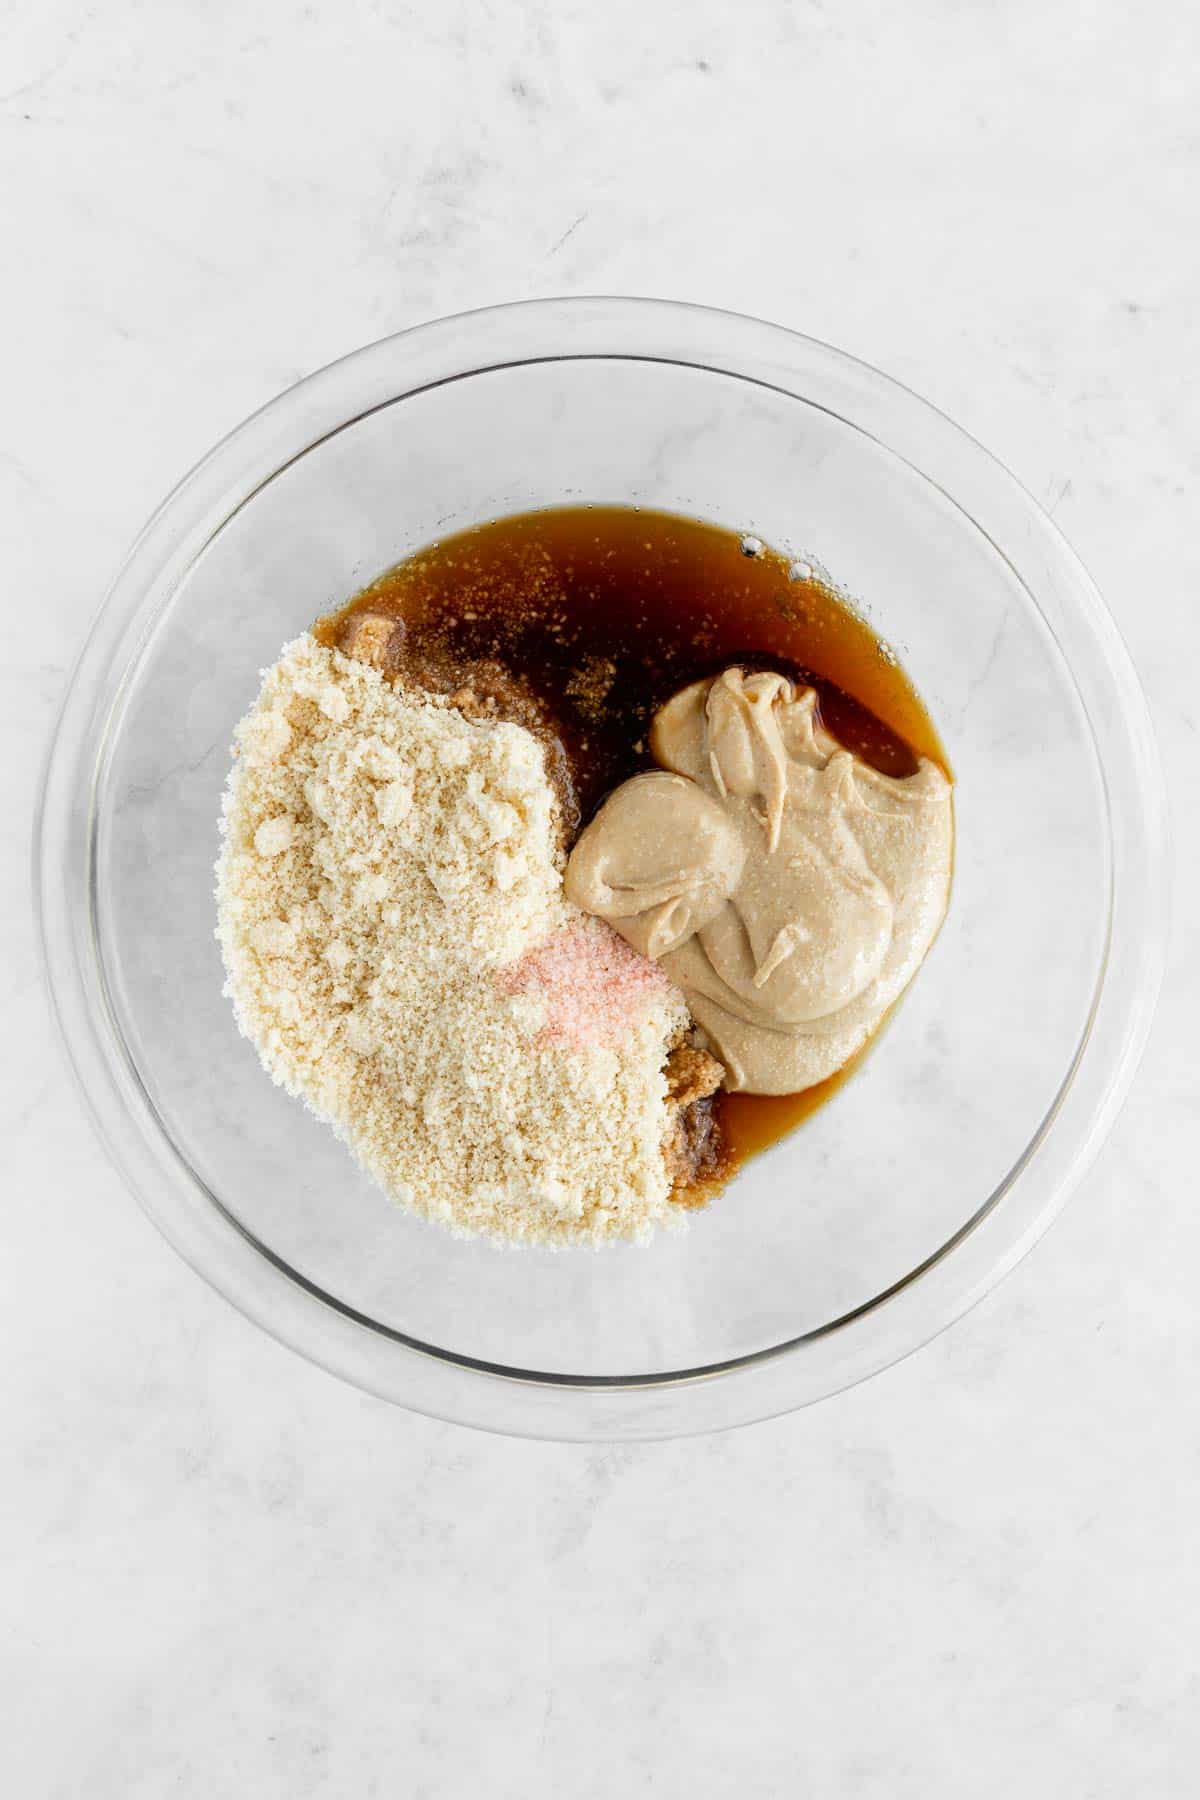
[[926, 1177]]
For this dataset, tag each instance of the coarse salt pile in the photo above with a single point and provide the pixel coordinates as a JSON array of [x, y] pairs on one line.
[[591, 984], [399, 951]]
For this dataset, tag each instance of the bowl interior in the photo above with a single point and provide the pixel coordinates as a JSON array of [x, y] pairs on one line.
[[966, 1075]]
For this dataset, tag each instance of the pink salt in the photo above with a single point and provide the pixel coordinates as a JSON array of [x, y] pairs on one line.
[[593, 985]]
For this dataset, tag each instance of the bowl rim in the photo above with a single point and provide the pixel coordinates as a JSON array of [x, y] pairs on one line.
[[767, 1381]]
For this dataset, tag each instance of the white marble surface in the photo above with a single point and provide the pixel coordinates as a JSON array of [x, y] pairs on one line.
[[221, 1572]]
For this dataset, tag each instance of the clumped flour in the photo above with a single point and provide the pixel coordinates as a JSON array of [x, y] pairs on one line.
[[398, 948]]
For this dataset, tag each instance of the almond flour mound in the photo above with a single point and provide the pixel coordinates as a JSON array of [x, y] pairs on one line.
[[384, 860]]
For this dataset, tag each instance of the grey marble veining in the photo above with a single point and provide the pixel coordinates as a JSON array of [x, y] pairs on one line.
[[222, 1571]]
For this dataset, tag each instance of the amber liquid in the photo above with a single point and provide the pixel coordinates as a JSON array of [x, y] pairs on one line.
[[602, 613]]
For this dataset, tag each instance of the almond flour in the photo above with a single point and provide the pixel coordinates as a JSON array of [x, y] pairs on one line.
[[386, 865]]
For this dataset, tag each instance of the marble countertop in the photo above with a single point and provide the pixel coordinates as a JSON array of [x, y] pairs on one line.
[[222, 1571]]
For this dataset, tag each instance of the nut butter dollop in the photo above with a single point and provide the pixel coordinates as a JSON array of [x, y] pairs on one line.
[[786, 886]]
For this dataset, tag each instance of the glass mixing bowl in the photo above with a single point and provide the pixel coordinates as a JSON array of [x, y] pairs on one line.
[[932, 1170]]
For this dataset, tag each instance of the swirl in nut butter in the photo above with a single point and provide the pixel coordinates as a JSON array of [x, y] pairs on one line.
[[789, 889]]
